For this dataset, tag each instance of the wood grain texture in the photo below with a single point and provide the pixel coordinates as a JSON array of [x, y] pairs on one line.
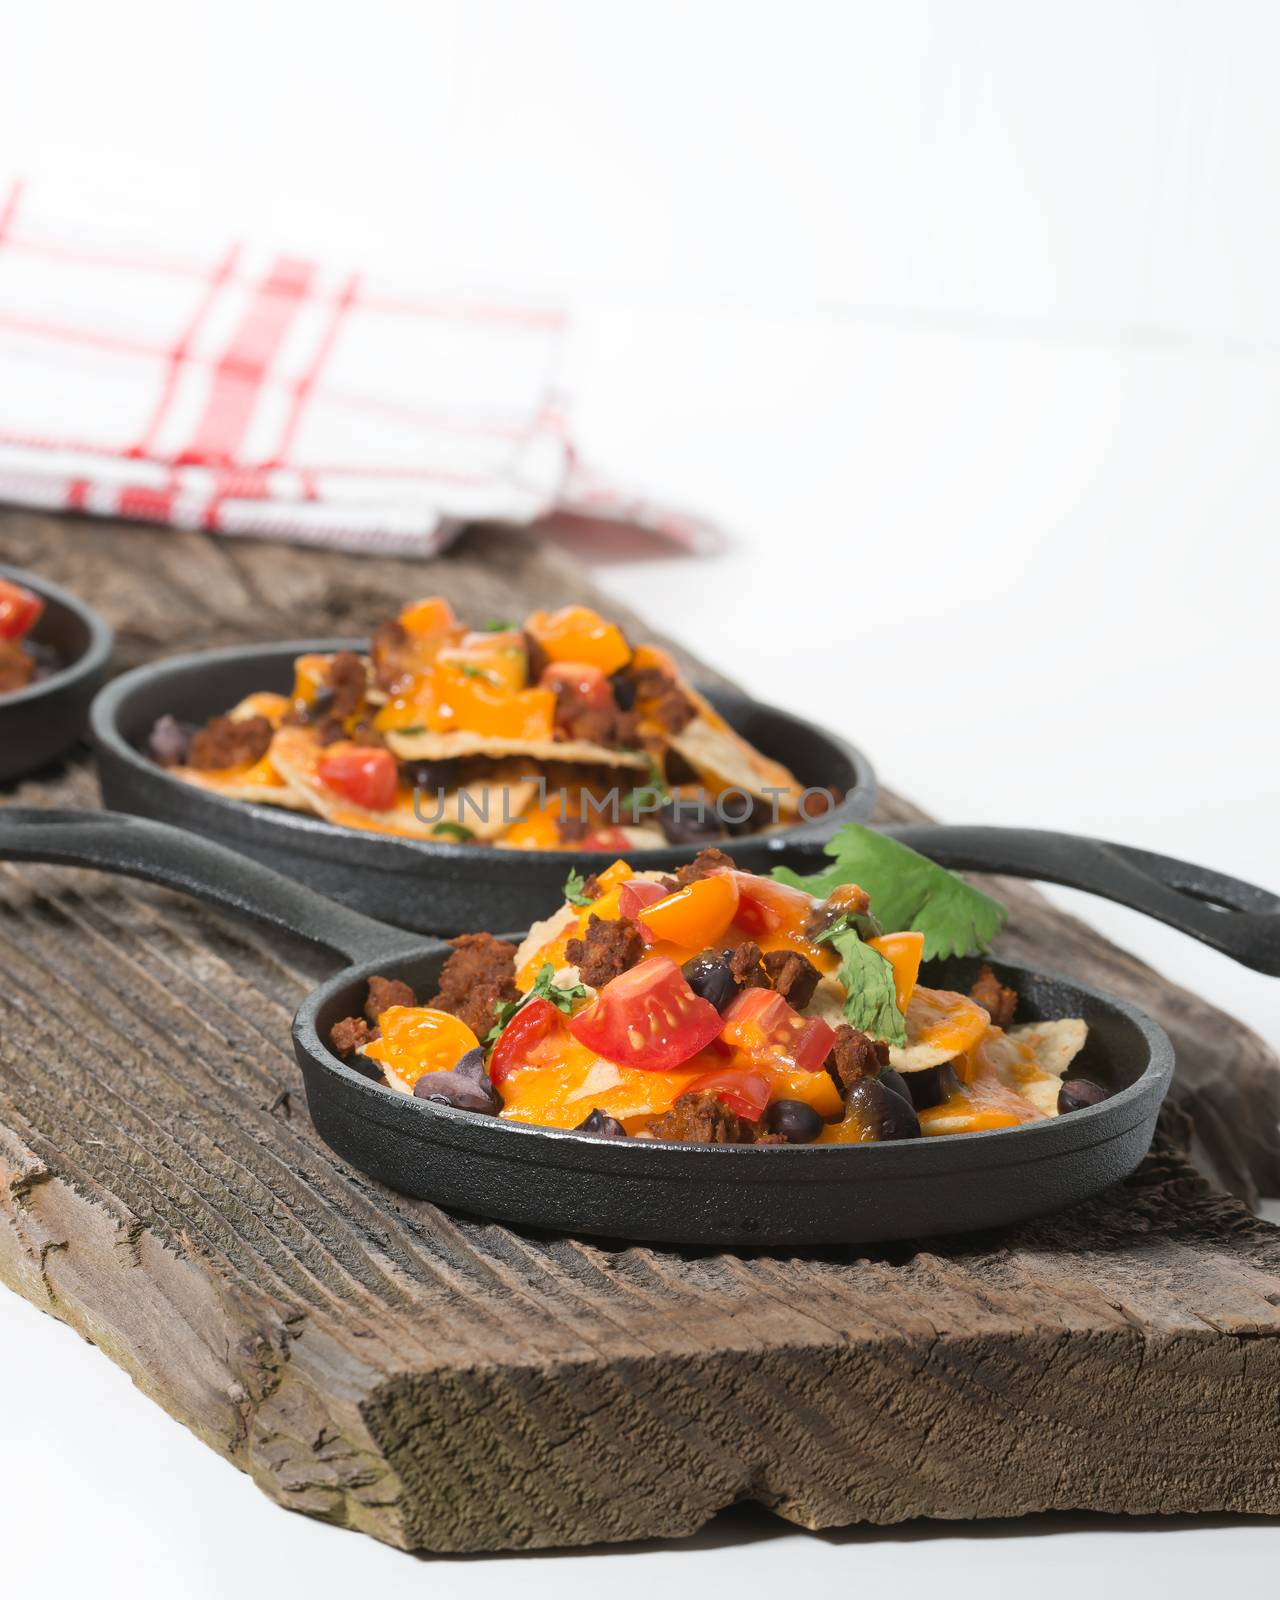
[[449, 1384]]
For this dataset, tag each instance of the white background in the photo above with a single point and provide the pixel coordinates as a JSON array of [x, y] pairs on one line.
[[962, 317]]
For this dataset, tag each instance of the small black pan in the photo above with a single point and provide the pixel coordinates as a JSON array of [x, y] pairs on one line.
[[724, 1195], [419, 884], [41, 722]]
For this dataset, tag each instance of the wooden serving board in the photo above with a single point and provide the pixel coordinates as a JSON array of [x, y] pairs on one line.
[[449, 1384]]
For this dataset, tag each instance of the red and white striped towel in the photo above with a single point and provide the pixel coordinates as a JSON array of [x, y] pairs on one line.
[[254, 393]]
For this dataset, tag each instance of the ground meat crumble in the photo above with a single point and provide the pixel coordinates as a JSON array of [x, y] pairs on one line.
[[793, 976], [704, 864], [999, 1003], [229, 742], [855, 1056], [609, 949], [477, 977]]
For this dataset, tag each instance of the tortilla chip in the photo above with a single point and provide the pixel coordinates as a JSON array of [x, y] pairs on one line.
[[448, 746], [940, 1027], [259, 784], [478, 806], [723, 759], [1016, 1075]]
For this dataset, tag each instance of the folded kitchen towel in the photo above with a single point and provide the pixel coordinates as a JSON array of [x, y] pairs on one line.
[[255, 393]]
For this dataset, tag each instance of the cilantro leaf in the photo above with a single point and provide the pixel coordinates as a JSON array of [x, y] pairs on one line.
[[544, 988], [573, 886], [453, 830], [871, 996], [496, 625], [908, 892]]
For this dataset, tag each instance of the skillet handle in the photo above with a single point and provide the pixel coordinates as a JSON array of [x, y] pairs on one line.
[[1239, 919], [139, 848]]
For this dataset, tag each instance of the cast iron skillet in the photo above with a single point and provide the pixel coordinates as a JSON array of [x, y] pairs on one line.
[[40, 722], [419, 884], [723, 1195]]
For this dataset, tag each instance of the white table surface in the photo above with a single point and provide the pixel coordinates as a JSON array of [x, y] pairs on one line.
[[1035, 578]]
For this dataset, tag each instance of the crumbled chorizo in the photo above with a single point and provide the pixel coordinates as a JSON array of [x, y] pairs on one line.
[[746, 966], [477, 977], [701, 1117], [385, 993], [663, 699], [604, 725], [848, 900], [855, 1056], [17, 668], [348, 682], [998, 1002], [609, 949], [229, 742], [704, 864], [391, 651], [347, 1036], [794, 976]]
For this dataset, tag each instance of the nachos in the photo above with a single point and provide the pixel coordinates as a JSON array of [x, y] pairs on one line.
[[22, 661], [717, 1007], [550, 734]]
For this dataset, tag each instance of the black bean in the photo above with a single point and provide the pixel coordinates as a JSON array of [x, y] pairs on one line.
[[624, 691], [797, 1122], [604, 1127], [931, 1086], [711, 977], [169, 742], [895, 1081], [689, 821], [1076, 1093], [466, 1088], [433, 777], [882, 1113]]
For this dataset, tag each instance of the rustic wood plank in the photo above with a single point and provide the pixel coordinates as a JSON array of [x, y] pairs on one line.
[[450, 1384]]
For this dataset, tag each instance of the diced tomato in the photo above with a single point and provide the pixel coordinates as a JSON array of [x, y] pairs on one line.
[[532, 1024], [694, 916], [648, 1018], [19, 610], [414, 1040], [585, 684], [636, 894], [605, 839], [766, 906], [365, 776], [769, 1032], [747, 1093]]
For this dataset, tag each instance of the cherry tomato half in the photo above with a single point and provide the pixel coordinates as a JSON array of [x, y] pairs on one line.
[[360, 773], [635, 895], [648, 1018], [19, 610], [605, 839], [769, 1032], [534, 1022], [747, 1093], [766, 906]]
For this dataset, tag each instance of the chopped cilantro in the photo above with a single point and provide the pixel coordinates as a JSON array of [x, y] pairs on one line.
[[496, 625], [469, 671], [417, 728], [871, 996], [908, 892], [573, 886], [544, 988], [453, 830]]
